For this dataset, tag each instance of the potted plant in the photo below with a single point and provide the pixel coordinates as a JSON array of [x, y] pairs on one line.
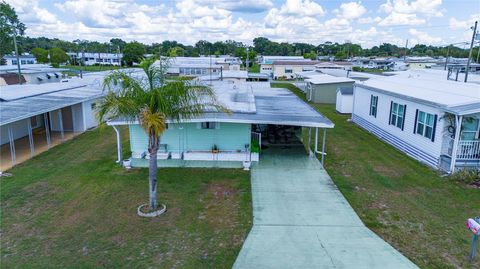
[[214, 149]]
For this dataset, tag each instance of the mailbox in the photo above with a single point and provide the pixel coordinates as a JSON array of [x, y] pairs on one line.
[[473, 226]]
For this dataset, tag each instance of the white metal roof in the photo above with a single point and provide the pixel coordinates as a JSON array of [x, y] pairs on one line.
[[327, 79], [454, 96], [24, 101], [258, 103]]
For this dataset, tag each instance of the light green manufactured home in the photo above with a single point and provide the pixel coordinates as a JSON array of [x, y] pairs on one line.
[[322, 89], [261, 116]]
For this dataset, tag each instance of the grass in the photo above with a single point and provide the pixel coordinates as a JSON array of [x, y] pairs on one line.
[[73, 207], [92, 68], [255, 68], [411, 206]]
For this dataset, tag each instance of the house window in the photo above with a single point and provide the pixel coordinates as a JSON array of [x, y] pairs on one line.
[[425, 124], [288, 71], [208, 125], [373, 105], [93, 106], [397, 115]]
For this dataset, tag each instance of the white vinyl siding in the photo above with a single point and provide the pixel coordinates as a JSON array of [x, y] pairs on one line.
[[362, 109]]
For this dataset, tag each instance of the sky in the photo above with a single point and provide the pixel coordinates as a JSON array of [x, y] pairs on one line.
[[368, 22]]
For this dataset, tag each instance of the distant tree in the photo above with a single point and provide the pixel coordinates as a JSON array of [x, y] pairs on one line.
[[9, 25], [176, 52], [340, 55], [117, 44], [40, 54], [133, 53], [58, 56], [310, 55]]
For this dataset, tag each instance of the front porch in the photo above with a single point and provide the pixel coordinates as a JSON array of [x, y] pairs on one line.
[[467, 154]]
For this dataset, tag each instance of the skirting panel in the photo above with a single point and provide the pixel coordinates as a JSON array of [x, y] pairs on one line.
[[401, 145]]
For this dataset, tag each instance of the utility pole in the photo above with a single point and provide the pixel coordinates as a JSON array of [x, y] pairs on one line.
[[246, 67], [405, 52], [471, 48]]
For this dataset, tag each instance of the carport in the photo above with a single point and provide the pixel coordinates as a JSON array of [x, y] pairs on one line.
[[34, 118]]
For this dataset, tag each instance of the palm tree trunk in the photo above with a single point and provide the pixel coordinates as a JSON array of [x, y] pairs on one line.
[[152, 176]]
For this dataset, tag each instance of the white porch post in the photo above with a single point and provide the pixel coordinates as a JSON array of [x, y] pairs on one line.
[[458, 127], [30, 137], [323, 144], [60, 122], [12, 145], [47, 129], [316, 140], [119, 144]]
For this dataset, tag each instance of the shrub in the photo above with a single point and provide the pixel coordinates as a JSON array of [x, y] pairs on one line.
[[467, 176]]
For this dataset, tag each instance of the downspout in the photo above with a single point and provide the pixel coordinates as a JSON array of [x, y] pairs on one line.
[[119, 144]]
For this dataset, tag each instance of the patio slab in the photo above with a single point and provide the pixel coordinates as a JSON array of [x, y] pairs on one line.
[[301, 220]]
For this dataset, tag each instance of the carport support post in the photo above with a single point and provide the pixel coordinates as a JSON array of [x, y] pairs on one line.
[[309, 142], [47, 129], [12, 145], [316, 140], [323, 144], [60, 122], [119, 144], [30, 137]]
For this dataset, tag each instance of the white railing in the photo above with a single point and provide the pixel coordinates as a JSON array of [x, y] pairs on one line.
[[467, 149]]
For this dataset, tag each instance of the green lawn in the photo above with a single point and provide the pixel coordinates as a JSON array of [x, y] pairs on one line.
[[73, 207], [411, 206]]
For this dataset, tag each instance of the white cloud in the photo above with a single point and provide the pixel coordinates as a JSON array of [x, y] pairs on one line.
[[463, 24], [423, 37], [30, 12], [401, 19], [352, 10], [105, 13], [368, 20], [425, 7], [245, 6], [301, 8]]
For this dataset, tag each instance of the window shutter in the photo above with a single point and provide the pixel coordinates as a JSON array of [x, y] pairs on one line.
[[404, 113], [415, 122], [371, 102], [390, 116], [434, 127]]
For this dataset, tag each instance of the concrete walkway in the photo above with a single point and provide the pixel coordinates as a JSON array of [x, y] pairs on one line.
[[301, 220]]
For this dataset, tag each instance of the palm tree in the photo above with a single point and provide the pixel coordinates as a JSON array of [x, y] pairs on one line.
[[153, 101]]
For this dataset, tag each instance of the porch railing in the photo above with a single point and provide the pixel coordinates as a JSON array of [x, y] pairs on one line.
[[467, 149]]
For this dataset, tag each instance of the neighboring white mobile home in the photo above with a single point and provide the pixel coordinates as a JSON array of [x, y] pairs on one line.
[[434, 121]]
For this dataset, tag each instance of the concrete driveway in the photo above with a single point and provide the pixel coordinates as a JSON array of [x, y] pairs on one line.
[[301, 220]]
